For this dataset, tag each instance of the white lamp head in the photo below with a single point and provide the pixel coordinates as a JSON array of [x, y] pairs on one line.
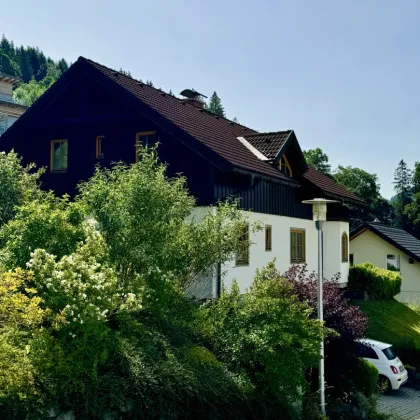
[[319, 208]]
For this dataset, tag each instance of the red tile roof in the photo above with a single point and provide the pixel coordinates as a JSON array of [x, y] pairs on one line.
[[218, 133], [329, 186], [269, 144]]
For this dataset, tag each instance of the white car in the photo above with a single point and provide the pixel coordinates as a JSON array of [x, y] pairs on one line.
[[383, 357]]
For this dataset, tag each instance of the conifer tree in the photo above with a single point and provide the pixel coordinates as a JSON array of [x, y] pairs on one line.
[[403, 189], [215, 105]]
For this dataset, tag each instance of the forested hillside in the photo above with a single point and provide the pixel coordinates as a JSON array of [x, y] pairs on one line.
[[37, 71]]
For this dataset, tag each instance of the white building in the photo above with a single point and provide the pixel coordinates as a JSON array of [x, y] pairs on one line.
[[9, 111], [390, 248]]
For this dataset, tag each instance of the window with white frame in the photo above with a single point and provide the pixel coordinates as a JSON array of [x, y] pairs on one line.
[[393, 262]]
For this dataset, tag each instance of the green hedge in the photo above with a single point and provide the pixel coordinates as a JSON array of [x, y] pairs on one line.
[[377, 282], [366, 377]]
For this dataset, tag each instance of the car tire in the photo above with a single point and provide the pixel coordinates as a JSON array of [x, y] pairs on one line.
[[384, 384]]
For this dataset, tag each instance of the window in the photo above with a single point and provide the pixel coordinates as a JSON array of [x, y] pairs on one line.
[[242, 255], [366, 351], [284, 166], [389, 353], [144, 139], [297, 246], [344, 247], [393, 262], [58, 160], [267, 237], [99, 145], [351, 260]]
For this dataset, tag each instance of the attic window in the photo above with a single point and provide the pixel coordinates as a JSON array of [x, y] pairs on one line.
[[285, 167]]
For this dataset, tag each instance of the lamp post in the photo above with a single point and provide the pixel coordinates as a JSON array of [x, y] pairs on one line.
[[319, 211]]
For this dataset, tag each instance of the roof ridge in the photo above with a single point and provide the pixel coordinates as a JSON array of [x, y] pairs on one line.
[[81, 58]]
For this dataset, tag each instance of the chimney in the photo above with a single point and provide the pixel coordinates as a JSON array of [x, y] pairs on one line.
[[193, 98]]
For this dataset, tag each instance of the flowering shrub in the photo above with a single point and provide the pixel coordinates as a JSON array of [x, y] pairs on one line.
[[81, 287]]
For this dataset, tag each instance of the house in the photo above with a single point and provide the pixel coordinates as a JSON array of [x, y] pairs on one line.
[[9, 110], [391, 248], [96, 115]]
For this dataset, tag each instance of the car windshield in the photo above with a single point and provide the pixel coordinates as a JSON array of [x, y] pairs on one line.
[[389, 353]]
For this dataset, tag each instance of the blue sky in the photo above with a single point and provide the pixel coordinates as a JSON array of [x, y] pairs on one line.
[[345, 75]]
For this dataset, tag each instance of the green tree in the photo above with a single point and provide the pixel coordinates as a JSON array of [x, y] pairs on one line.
[[27, 93], [317, 159], [412, 209], [403, 189], [51, 223], [122, 71], [160, 233], [416, 178], [19, 185], [263, 328], [215, 105], [366, 186], [20, 311], [8, 66], [149, 83]]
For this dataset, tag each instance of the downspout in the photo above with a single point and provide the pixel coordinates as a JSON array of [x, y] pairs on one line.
[[218, 280]]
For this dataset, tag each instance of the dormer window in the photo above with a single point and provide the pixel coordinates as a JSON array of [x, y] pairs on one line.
[[284, 166]]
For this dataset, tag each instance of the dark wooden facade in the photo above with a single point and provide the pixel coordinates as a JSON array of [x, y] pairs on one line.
[[83, 109]]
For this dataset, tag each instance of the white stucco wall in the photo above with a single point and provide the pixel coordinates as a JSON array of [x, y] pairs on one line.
[[333, 263], [368, 247], [281, 225]]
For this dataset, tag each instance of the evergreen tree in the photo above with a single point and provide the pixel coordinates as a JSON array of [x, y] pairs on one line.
[[215, 105], [416, 178], [6, 47], [149, 83], [122, 71], [62, 65], [235, 120], [403, 189], [171, 93]]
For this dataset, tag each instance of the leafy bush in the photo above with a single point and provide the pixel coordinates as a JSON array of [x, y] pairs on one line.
[[267, 334], [20, 314], [347, 320], [19, 184], [365, 377], [377, 282], [51, 223]]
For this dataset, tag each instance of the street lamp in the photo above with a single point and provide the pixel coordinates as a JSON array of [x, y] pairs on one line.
[[319, 212]]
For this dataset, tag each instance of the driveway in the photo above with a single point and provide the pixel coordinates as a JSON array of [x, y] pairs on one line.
[[405, 403]]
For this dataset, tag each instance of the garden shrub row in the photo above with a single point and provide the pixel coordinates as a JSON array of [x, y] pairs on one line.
[[380, 284]]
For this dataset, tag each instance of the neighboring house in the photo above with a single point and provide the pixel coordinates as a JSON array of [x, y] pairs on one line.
[[95, 115], [9, 111], [391, 248]]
